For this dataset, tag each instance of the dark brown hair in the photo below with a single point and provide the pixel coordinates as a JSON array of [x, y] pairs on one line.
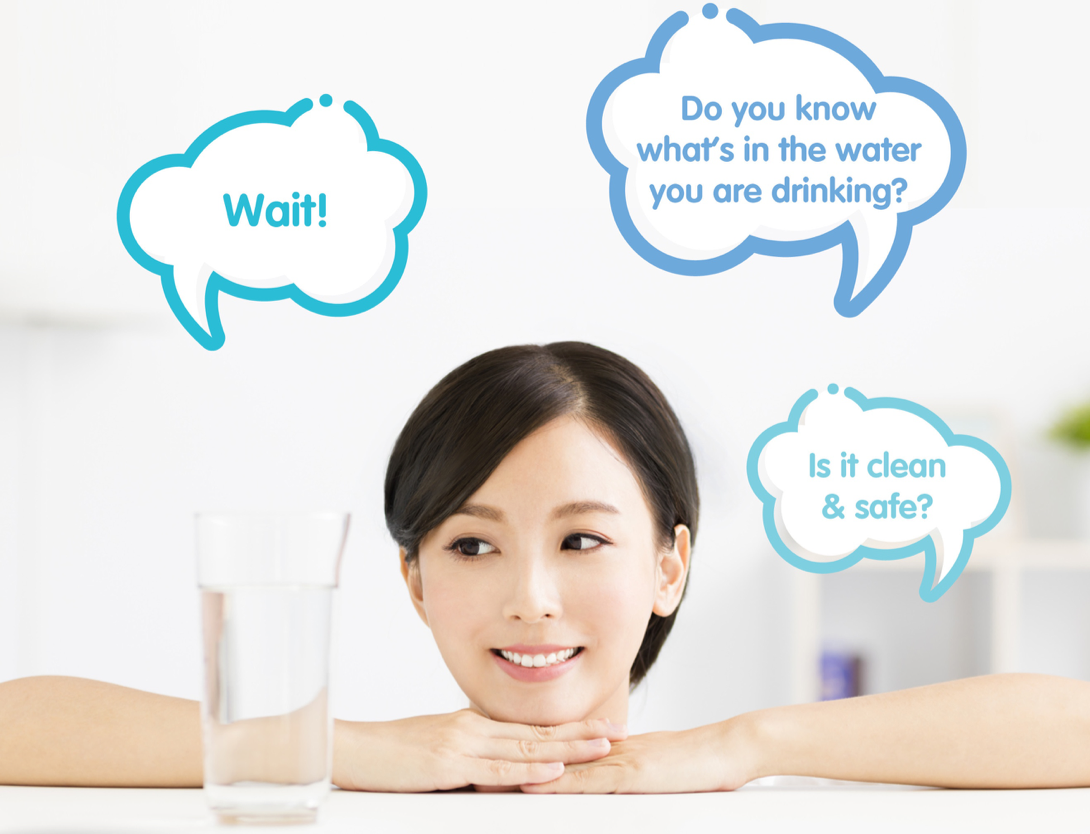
[[479, 412]]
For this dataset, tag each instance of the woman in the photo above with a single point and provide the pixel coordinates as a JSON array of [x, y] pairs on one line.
[[545, 505]]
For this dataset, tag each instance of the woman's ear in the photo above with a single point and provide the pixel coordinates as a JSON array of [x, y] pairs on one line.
[[411, 575], [673, 568]]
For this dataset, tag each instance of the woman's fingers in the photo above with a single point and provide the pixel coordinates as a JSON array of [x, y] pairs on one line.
[[668, 762], [491, 753], [528, 750], [590, 729], [586, 779], [504, 772]]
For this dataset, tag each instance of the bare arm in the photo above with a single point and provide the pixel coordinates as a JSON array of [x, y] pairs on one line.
[[73, 731], [79, 732], [995, 731]]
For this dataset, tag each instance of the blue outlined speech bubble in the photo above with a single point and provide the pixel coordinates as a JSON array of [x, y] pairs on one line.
[[730, 138], [848, 478], [308, 204]]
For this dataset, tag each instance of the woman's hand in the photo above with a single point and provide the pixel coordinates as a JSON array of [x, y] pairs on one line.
[[443, 752], [718, 757]]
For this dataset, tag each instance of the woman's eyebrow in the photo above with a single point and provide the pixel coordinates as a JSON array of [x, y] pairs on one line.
[[563, 511], [580, 507], [480, 511]]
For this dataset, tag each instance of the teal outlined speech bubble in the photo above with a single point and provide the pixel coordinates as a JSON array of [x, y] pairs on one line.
[[308, 204], [846, 478]]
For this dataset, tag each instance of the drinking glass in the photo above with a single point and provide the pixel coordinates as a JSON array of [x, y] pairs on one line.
[[267, 582]]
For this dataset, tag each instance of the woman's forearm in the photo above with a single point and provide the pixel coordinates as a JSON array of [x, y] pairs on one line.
[[995, 731], [73, 731]]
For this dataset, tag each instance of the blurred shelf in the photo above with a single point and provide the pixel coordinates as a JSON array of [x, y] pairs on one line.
[[1005, 564]]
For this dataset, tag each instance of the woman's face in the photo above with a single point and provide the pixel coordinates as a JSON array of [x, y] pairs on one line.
[[555, 555]]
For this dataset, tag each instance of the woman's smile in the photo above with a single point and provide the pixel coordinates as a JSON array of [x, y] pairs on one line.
[[534, 664]]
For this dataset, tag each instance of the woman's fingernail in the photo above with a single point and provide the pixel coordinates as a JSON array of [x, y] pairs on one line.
[[557, 766], [599, 742], [617, 728]]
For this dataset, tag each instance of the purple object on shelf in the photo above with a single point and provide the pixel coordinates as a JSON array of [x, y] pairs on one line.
[[841, 675]]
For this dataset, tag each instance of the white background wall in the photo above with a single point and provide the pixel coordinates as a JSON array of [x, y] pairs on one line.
[[115, 426]]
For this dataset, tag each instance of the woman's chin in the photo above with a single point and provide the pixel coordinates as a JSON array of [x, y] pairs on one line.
[[542, 715]]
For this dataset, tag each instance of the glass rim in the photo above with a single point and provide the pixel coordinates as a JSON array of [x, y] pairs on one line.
[[270, 547]]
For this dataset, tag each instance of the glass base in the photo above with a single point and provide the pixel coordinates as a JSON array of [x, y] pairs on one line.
[[263, 803], [266, 818]]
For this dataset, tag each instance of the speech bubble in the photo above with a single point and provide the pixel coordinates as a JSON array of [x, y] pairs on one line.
[[308, 204], [848, 478], [684, 131]]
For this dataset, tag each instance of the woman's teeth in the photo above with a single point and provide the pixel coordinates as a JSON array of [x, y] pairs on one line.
[[528, 660]]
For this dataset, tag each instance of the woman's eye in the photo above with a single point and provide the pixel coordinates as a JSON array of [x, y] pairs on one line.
[[578, 541], [471, 547]]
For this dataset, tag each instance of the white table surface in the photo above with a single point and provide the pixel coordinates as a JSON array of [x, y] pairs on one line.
[[874, 810]]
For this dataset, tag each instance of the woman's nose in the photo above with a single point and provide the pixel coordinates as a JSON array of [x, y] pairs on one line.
[[534, 594]]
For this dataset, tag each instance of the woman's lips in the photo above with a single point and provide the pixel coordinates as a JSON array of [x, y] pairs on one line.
[[536, 674]]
